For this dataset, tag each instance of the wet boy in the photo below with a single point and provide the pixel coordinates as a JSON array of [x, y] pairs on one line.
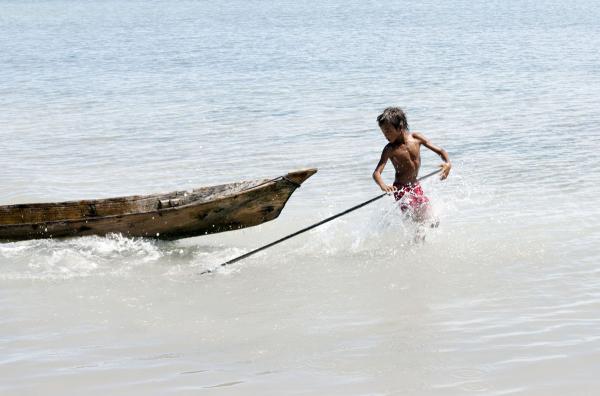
[[404, 150]]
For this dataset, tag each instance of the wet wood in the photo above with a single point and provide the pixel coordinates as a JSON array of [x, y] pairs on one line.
[[173, 215]]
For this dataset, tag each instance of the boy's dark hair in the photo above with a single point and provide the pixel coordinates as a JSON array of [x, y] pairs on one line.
[[394, 116]]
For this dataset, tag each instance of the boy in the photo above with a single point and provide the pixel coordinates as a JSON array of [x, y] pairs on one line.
[[404, 150]]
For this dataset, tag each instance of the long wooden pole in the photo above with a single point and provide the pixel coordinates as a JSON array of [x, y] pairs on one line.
[[285, 238]]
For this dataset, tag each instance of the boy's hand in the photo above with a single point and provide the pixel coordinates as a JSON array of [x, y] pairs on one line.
[[388, 189], [446, 166]]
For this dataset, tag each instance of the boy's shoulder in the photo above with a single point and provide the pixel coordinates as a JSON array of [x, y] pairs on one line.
[[419, 137]]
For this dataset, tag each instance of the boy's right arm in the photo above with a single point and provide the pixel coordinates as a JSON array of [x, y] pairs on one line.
[[385, 155]]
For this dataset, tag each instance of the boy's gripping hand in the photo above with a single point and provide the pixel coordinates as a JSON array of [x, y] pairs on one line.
[[388, 189], [446, 166]]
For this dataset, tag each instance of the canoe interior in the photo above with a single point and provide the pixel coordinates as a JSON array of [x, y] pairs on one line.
[[85, 209]]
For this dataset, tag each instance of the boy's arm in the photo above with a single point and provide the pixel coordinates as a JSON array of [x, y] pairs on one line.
[[385, 155], [447, 165]]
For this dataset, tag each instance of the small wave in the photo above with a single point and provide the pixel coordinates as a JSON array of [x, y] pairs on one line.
[[73, 258], [112, 256]]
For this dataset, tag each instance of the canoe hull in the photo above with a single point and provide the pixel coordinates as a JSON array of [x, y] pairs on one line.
[[240, 209]]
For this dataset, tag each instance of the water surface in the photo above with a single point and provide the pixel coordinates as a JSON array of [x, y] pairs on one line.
[[111, 98]]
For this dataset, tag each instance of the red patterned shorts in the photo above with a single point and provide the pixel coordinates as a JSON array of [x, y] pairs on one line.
[[411, 196]]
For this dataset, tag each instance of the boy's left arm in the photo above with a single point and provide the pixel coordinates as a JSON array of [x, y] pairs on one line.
[[447, 165]]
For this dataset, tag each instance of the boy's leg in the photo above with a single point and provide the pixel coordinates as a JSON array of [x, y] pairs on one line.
[[425, 217], [423, 214]]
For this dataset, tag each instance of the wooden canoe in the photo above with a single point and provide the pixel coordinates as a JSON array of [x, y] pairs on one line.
[[178, 214]]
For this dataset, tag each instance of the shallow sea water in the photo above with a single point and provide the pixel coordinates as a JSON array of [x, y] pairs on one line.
[[110, 98]]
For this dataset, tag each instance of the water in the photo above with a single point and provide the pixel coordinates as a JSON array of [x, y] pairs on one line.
[[109, 98]]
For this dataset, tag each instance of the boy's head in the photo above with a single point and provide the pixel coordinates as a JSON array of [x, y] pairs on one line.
[[395, 117], [392, 123]]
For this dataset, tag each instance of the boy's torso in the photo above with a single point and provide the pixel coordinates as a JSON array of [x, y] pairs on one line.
[[406, 158]]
